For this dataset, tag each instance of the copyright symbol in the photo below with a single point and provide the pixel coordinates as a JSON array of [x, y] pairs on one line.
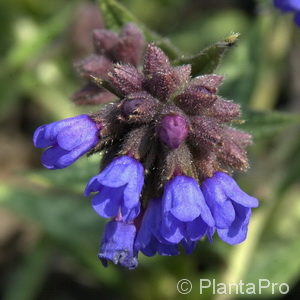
[[184, 286]]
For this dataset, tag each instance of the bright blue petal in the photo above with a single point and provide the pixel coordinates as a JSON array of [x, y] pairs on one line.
[[294, 4], [129, 214], [51, 157], [150, 248], [237, 232], [172, 230], [233, 191], [297, 19], [118, 172], [210, 233], [92, 186], [107, 202], [189, 246], [284, 5], [182, 198], [206, 213], [39, 139], [82, 132], [167, 250], [148, 223], [196, 229], [117, 244], [69, 158], [224, 214], [68, 140], [132, 192]]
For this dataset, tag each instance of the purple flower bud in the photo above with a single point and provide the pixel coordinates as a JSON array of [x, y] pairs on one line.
[[126, 79], [66, 140], [131, 107], [173, 130], [94, 65], [211, 81], [117, 245], [161, 79], [206, 132], [104, 40], [130, 46], [224, 110], [195, 99], [140, 107]]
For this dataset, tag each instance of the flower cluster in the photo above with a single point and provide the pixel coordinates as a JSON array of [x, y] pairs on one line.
[[289, 6], [168, 151], [110, 47]]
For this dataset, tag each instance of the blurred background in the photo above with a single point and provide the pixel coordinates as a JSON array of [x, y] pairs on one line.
[[49, 235]]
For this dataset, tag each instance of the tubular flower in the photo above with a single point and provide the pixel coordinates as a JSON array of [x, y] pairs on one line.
[[185, 213], [230, 207], [118, 189], [168, 147], [110, 47], [117, 245], [66, 140], [289, 6], [149, 240]]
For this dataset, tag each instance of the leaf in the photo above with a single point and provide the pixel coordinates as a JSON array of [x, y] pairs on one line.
[[208, 59], [14, 67], [30, 48], [280, 238], [263, 124], [291, 169], [65, 216], [53, 201], [70, 180], [116, 15], [30, 274]]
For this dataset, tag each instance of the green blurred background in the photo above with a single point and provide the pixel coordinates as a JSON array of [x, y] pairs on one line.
[[49, 235]]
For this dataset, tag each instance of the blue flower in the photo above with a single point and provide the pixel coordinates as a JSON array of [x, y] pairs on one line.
[[117, 245], [289, 6], [186, 216], [66, 140], [149, 240], [118, 189], [230, 207]]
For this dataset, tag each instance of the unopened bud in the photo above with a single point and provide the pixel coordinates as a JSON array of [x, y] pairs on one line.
[[140, 107], [173, 130]]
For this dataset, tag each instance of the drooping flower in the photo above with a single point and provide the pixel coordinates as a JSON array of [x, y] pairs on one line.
[[66, 140], [117, 244], [289, 6], [110, 47], [177, 132], [185, 213], [229, 205], [118, 189], [149, 240]]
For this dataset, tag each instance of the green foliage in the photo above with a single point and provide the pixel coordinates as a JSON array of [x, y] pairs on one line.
[[264, 124], [116, 15], [30, 276], [207, 61]]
